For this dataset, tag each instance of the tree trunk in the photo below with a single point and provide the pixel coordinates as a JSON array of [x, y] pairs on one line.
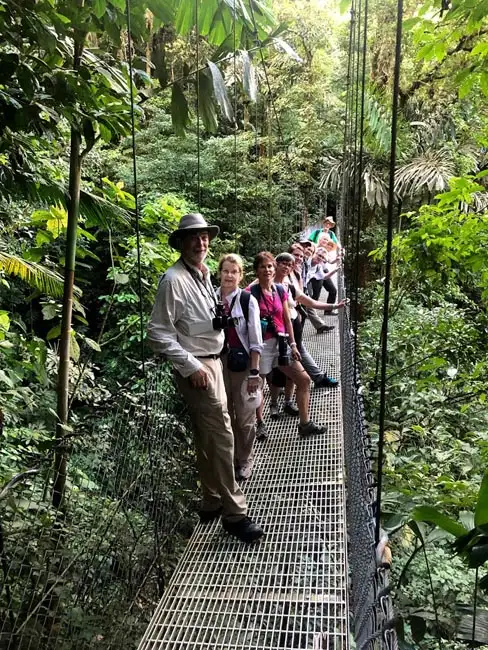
[[61, 458]]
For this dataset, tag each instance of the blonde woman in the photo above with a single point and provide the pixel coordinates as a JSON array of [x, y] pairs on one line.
[[240, 360]]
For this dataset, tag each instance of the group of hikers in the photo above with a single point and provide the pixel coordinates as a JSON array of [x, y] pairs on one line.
[[225, 343]]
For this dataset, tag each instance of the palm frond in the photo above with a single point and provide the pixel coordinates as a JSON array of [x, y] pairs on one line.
[[333, 170], [375, 187], [40, 277], [378, 123], [96, 210], [427, 173]]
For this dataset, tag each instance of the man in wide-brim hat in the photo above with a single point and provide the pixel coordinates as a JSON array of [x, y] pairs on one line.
[[327, 224], [184, 329]]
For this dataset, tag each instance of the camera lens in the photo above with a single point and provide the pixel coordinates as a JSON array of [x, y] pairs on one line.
[[283, 358]]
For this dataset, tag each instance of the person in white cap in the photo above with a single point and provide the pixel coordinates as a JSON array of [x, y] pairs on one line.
[[186, 327]]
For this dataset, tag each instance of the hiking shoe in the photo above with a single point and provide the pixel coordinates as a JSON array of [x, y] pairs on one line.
[[274, 411], [245, 529], [325, 328], [245, 470], [261, 431], [310, 429], [326, 382], [206, 516], [289, 409]]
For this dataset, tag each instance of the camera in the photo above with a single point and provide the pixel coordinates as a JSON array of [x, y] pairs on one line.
[[283, 357], [220, 320], [267, 325]]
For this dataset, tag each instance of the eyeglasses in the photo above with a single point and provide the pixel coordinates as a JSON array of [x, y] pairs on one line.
[[285, 263]]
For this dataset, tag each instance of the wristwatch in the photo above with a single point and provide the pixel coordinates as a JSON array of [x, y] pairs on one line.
[[254, 372]]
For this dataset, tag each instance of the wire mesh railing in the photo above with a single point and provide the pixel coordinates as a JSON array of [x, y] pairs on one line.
[[371, 612], [91, 574]]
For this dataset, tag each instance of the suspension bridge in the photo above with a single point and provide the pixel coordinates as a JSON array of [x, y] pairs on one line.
[[313, 582], [291, 590]]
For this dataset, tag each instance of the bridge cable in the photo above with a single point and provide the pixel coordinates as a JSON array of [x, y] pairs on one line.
[[353, 175], [146, 427], [389, 240], [236, 124], [360, 190], [197, 102], [345, 149]]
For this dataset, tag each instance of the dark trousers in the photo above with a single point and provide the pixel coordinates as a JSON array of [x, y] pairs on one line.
[[328, 285]]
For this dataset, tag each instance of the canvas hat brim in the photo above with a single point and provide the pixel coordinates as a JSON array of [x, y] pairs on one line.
[[176, 237]]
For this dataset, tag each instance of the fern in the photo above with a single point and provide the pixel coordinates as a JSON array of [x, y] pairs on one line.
[[35, 275]]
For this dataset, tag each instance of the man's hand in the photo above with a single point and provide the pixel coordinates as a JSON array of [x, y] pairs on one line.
[[199, 379]]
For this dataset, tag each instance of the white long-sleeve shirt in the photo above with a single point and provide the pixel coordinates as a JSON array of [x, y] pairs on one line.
[[183, 303], [250, 333]]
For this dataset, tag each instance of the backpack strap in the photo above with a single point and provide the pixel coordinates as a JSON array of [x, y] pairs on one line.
[[255, 291], [281, 291], [245, 299]]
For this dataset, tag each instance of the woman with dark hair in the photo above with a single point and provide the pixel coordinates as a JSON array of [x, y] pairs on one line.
[[280, 348]]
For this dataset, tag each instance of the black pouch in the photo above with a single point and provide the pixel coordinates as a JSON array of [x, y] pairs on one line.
[[237, 360]]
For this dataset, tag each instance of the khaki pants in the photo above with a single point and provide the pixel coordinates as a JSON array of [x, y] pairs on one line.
[[214, 442], [242, 417]]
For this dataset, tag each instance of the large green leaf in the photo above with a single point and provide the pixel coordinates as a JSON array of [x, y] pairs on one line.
[[285, 47], [433, 516], [179, 109], [206, 103], [481, 512], [249, 76], [164, 9], [478, 555], [185, 17], [220, 91]]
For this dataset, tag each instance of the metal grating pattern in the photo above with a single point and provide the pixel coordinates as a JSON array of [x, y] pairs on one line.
[[290, 589]]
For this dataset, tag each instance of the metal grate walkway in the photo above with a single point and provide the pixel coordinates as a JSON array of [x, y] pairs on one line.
[[290, 589]]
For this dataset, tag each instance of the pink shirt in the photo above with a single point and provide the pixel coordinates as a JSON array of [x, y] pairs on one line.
[[271, 305]]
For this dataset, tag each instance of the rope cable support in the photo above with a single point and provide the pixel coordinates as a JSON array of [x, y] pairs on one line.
[[389, 240], [360, 189], [146, 426]]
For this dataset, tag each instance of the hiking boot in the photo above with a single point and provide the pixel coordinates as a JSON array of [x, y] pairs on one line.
[[289, 409], [245, 470], [310, 429], [326, 382], [245, 529], [206, 516], [325, 328], [274, 411], [261, 431]]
